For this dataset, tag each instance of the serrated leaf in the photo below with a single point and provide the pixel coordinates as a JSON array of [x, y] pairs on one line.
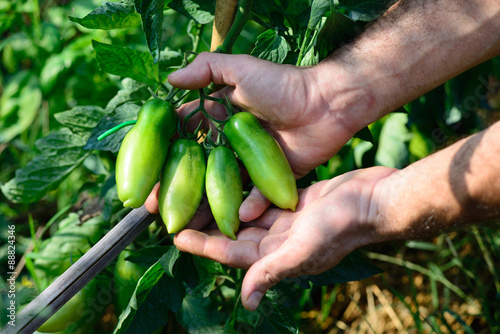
[[124, 113], [151, 12], [365, 10], [318, 9], [127, 62], [199, 315], [202, 11], [81, 118], [271, 46], [111, 15], [337, 30], [353, 267], [62, 152]]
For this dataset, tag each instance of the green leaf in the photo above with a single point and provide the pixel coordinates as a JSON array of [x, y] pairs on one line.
[[152, 18], [276, 318], [132, 91], [353, 267], [202, 11], [393, 143], [111, 15], [365, 10], [168, 260], [19, 105], [62, 152], [338, 29], [271, 46], [318, 9], [208, 271], [81, 118], [127, 62], [124, 113], [55, 67], [199, 315], [148, 255], [71, 240], [166, 295], [141, 292]]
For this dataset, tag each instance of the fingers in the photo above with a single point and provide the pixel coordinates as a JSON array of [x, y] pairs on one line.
[[267, 272], [253, 206], [241, 253], [151, 203], [208, 67]]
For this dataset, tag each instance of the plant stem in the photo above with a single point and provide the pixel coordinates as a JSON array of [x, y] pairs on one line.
[[116, 128], [303, 46], [241, 18]]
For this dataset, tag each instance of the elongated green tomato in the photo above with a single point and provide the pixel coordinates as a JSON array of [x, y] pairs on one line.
[[263, 158], [143, 152], [181, 184], [224, 189], [72, 311]]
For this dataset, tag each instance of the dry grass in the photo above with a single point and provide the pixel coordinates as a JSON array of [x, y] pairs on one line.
[[445, 285]]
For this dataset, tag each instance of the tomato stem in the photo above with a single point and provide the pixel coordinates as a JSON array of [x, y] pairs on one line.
[[116, 128]]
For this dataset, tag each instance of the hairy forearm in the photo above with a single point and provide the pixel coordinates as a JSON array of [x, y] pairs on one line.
[[456, 186], [415, 46]]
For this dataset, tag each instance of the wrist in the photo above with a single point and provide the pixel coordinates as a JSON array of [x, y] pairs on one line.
[[344, 94], [453, 187]]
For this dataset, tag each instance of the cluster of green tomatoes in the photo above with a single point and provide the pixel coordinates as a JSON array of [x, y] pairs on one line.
[[148, 155]]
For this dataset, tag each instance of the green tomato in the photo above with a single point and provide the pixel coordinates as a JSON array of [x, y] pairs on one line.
[[143, 152], [72, 311], [181, 184], [224, 189], [126, 276], [263, 158]]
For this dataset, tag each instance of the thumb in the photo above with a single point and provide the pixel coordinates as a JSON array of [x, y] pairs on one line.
[[267, 272], [221, 69]]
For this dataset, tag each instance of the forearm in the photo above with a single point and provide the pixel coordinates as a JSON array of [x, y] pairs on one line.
[[415, 46], [456, 186]]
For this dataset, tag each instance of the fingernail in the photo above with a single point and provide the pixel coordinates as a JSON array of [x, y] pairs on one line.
[[254, 300], [176, 73]]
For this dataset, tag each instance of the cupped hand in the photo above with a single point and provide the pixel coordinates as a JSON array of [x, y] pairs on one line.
[[332, 219]]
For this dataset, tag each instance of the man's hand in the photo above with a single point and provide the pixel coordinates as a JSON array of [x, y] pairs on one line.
[[332, 219], [285, 98]]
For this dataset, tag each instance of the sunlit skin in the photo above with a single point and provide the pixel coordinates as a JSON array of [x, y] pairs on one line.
[[312, 112]]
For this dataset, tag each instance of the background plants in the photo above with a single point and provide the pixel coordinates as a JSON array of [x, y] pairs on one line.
[[72, 69]]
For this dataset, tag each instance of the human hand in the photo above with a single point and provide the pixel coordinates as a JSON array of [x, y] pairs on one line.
[[288, 100], [332, 219]]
